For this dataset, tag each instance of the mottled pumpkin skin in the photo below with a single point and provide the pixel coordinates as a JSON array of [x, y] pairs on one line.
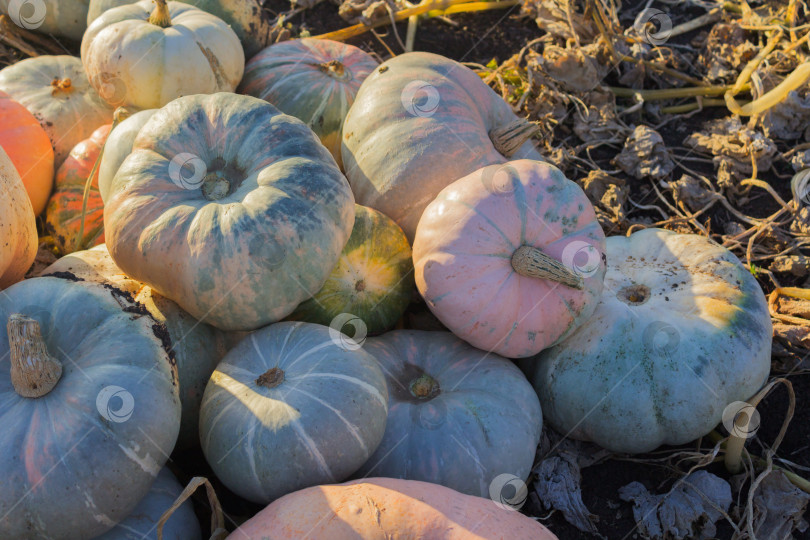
[[29, 148], [68, 114], [463, 257], [483, 421], [314, 80], [64, 217], [62, 18], [118, 147], [377, 508], [249, 258], [320, 421], [152, 65], [197, 347], [72, 439], [142, 523], [373, 279], [18, 225], [419, 122], [245, 17], [659, 367]]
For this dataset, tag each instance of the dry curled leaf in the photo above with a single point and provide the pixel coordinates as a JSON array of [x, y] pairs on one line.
[[732, 146], [725, 52], [790, 118], [645, 155], [573, 70], [599, 121], [688, 510], [798, 265], [552, 16], [368, 11], [608, 194], [778, 508], [691, 192]]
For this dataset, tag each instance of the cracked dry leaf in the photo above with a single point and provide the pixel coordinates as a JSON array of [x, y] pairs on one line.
[[794, 336], [798, 265], [368, 11], [606, 192], [558, 487], [801, 222], [683, 512], [600, 122], [795, 307], [634, 75], [645, 155], [725, 52], [778, 508], [691, 192], [800, 160], [552, 16], [732, 146], [573, 70]]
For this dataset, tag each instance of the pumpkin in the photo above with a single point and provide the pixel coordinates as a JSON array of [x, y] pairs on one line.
[[245, 17], [197, 347], [419, 122], [510, 257], [161, 54], [56, 91], [312, 79], [291, 406], [372, 281], [142, 523], [231, 209], [62, 18], [382, 508], [118, 147], [682, 330], [18, 226], [457, 416], [64, 217], [89, 406], [29, 148]]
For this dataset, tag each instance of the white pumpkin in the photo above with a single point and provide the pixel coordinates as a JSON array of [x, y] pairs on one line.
[[118, 147], [682, 331], [145, 56], [56, 91], [18, 226]]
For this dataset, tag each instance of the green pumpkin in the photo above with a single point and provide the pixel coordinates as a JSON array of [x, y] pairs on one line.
[[231, 209], [245, 17], [88, 404], [373, 279]]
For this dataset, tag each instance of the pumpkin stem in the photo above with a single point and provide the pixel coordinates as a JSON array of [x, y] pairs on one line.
[[34, 372], [160, 16], [334, 68], [425, 387], [509, 138], [531, 262], [271, 378], [61, 85]]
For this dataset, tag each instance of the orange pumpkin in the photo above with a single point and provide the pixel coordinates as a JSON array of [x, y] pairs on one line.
[[64, 215], [383, 508], [29, 148]]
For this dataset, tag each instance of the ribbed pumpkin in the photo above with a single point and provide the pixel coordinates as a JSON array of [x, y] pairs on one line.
[[63, 18], [142, 522], [56, 91], [118, 147], [457, 416], [88, 405], [419, 122], [315, 80], [372, 281], [162, 51], [245, 17], [682, 331], [291, 406], [511, 257], [18, 226], [64, 216], [197, 347], [382, 508], [228, 178], [29, 148]]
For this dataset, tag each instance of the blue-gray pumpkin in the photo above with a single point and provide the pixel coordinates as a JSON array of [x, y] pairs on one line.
[[457, 416], [293, 405], [89, 408]]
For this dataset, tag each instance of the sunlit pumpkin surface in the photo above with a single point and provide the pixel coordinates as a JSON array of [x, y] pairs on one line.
[[682, 330]]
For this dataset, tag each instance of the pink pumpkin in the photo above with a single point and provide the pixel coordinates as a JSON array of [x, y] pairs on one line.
[[511, 257], [386, 508]]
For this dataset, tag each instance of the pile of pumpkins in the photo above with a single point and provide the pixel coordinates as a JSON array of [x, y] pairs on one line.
[[241, 242]]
